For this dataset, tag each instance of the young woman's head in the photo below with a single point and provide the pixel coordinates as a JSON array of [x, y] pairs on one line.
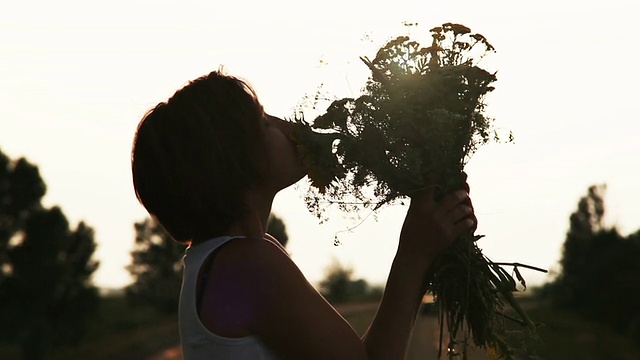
[[195, 155]]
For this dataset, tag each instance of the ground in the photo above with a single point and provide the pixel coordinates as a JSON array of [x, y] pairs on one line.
[[423, 345]]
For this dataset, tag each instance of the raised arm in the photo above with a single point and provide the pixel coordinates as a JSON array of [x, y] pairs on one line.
[[428, 229], [294, 320]]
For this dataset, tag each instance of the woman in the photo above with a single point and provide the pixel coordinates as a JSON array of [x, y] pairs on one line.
[[206, 165]]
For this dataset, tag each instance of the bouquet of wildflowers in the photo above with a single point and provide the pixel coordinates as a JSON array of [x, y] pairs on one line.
[[418, 121]]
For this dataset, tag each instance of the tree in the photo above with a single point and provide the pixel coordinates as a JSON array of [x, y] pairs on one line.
[[600, 268], [46, 293], [336, 284], [576, 260], [631, 285], [277, 228], [21, 189], [339, 286], [156, 267]]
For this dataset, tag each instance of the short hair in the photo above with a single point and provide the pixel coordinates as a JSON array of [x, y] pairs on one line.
[[194, 155]]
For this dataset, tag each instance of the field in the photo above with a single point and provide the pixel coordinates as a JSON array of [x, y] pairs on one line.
[[125, 334]]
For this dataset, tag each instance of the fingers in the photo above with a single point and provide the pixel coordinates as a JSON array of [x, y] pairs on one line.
[[459, 213], [453, 210], [452, 200], [456, 214], [424, 199], [469, 203], [464, 226], [431, 226]]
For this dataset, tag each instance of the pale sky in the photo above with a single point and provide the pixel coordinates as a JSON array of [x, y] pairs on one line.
[[77, 76]]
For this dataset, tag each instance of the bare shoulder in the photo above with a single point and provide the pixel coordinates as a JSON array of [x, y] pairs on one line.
[[251, 261], [235, 285], [275, 241], [260, 268], [256, 289]]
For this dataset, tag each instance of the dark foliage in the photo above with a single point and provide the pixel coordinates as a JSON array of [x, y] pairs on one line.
[[156, 266], [339, 286], [46, 293], [278, 229], [600, 269]]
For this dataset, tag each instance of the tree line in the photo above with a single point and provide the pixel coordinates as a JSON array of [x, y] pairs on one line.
[[600, 269], [47, 296], [46, 293]]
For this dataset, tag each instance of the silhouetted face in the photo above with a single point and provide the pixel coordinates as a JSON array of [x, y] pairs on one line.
[[285, 165]]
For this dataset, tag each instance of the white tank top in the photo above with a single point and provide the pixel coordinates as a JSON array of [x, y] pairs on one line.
[[198, 343]]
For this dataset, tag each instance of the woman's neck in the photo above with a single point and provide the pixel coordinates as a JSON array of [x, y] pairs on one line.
[[254, 221]]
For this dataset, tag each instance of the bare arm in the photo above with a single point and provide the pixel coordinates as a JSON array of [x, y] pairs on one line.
[[427, 230], [295, 321]]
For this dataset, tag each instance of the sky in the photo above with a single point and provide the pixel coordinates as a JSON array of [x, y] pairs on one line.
[[77, 76]]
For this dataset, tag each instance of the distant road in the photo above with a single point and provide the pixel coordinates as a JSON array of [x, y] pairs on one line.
[[423, 345], [424, 342]]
